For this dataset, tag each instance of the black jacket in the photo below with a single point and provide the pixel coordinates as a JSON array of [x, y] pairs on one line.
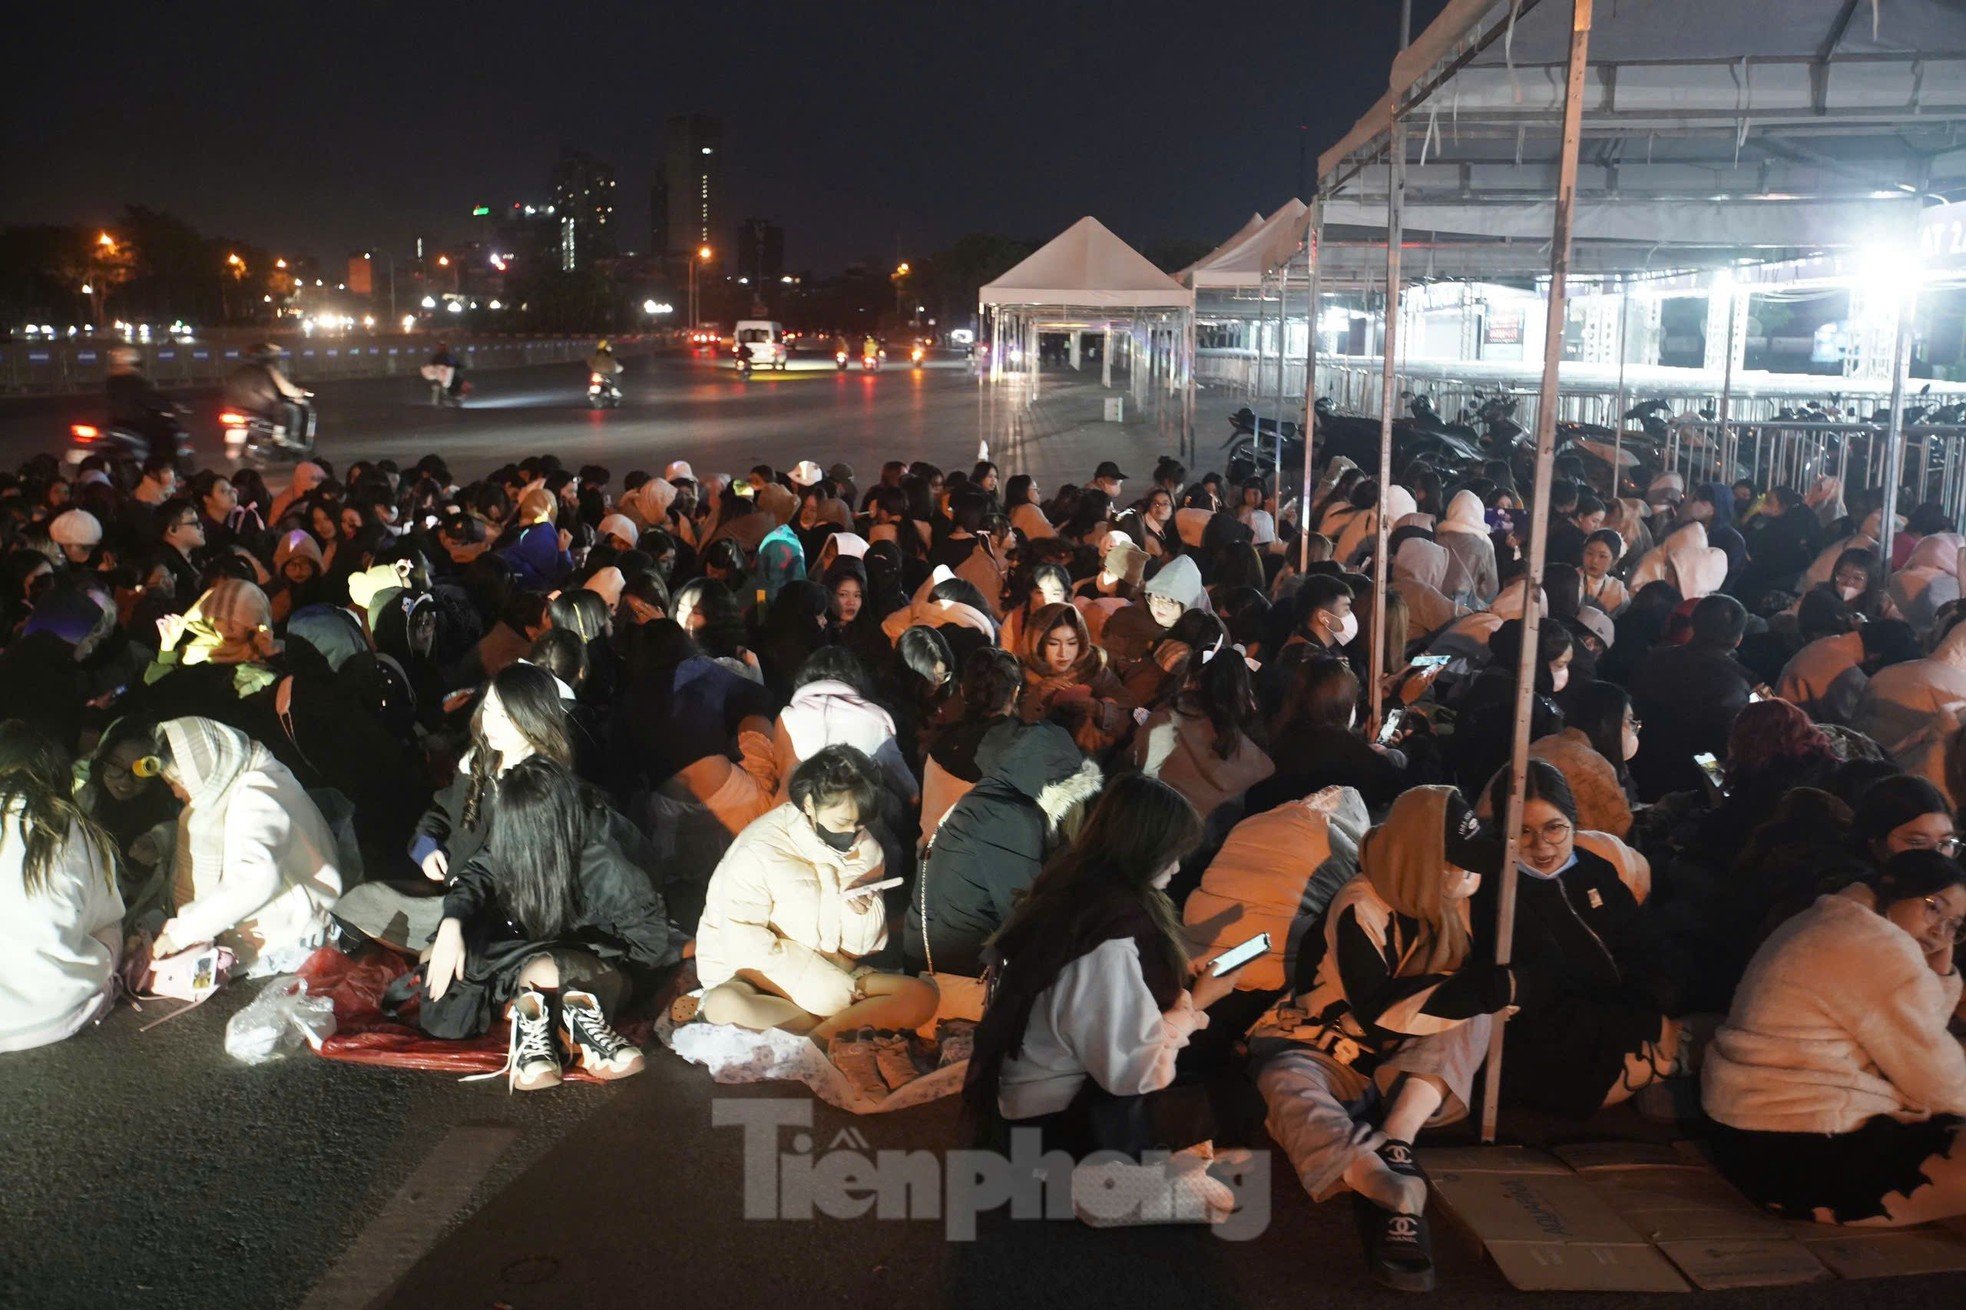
[[1687, 698], [1309, 759], [990, 846], [1579, 937]]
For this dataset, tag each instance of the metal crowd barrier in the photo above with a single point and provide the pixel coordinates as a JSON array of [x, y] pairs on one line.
[[63, 367]]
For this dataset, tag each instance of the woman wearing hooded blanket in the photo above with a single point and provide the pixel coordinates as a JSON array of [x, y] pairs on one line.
[[1420, 570], [1389, 1023], [1929, 580], [1463, 531], [255, 865], [1686, 560], [1131, 631], [1907, 707]]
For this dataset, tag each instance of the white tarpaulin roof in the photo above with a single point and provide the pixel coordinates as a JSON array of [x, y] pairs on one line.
[[1825, 91], [1242, 234], [1247, 262], [1087, 265], [1649, 223], [1671, 61]]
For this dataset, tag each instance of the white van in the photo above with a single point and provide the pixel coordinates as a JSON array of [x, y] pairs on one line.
[[762, 341]]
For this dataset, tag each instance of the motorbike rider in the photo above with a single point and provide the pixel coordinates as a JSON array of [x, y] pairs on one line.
[[602, 361], [444, 358], [871, 347], [136, 404], [259, 387]]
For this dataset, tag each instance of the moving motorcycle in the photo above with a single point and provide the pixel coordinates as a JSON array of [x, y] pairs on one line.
[[121, 444], [839, 359], [257, 438], [603, 392], [744, 361], [917, 355], [870, 360]]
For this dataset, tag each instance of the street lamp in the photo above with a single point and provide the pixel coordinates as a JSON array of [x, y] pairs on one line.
[[899, 276], [703, 254]]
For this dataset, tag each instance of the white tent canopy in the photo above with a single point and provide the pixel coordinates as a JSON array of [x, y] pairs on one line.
[[1185, 278], [1249, 260], [1086, 265]]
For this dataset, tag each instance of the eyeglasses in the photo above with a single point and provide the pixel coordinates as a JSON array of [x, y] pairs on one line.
[[1635, 723], [1949, 924], [1550, 834], [1944, 845]]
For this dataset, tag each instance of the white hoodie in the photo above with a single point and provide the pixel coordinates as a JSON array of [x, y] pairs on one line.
[[1929, 579], [828, 713], [57, 949]]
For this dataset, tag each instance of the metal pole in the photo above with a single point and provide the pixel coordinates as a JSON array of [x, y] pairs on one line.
[[1539, 534], [1283, 321], [1381, 566], [1894, 442], [1310, 386], [1722, 470], [1618, 418]]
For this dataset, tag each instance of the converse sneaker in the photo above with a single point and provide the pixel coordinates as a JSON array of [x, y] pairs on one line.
[[597, 1047], [532, 1060], [854, 1054]]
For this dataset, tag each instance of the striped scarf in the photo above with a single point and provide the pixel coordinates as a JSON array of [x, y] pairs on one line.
[[208, 758]]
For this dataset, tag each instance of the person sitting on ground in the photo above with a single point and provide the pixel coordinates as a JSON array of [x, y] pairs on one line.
[[1096, 996], [1688, 697], [1130, 632], [833, 704], [1598, 1031], [1067, 680], [992, 682], [61, 919], [993, 843], [1602, 551], [1389, 1024], [1837, 1093], [255, 869], [792, 910], [555, 918]]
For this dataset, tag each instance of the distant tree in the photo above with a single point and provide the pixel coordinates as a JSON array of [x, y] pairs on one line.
[[947, 280]]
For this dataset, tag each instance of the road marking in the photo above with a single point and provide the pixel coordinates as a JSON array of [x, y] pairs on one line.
[[413, 1220]]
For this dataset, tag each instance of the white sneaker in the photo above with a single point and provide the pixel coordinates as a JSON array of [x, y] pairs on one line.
[[596, 1046]]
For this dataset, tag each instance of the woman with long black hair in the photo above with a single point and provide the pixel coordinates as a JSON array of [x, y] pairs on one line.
[[1093, 997], [520, 716], [554, 917], [60, 916]]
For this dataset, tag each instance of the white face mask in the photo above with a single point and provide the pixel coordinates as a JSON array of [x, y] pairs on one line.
[[1629, 741], [1560, 678], [1458, 884], [1849, 593], [1347, 629]]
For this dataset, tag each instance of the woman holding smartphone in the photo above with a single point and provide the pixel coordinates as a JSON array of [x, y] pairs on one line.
[[1094, 995], [794, 907], [1388, 1026]]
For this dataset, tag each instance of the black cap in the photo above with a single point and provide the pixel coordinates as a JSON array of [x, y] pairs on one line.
[[1108, 470], [1467, 842]]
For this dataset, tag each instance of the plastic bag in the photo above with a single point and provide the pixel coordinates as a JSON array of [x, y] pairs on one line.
[[281, 1019]]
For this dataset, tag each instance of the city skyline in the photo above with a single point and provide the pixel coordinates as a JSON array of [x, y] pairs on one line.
[[950, 122]]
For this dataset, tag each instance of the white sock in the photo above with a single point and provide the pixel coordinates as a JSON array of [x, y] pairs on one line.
[[1371, 1178]]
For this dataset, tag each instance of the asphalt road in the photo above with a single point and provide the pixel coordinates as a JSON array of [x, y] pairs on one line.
[[148, 1170], [674, 407]]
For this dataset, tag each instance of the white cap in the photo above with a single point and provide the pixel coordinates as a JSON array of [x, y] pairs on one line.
[[805, 473], [679, 469], [75, 527]]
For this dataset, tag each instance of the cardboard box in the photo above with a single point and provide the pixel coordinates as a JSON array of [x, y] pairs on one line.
[[1545, 1227], [1886, 1253]]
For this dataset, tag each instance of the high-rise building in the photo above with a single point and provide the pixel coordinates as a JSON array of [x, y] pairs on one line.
[[659, 216], [692, 183], [583, 201], [760, 252]]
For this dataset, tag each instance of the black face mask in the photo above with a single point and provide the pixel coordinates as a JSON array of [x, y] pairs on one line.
[[839, 841]]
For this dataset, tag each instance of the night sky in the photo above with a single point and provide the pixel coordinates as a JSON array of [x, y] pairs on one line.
[[867, 130]]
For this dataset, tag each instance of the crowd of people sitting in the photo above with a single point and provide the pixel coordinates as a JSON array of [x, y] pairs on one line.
[[843, 750]]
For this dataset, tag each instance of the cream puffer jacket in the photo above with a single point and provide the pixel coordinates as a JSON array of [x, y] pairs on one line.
[[1838, 1019], [776, 905]]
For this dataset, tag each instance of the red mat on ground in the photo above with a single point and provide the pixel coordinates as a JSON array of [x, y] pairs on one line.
[[365, 1035]]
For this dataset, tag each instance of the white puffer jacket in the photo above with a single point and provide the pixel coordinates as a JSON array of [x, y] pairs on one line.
[[1838, 1020], [776, 905], [828, 713]]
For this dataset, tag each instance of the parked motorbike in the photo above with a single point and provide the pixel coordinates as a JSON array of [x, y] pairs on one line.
[[603, 392]]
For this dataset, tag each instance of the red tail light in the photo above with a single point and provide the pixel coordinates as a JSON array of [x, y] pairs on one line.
[[83, 432]]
